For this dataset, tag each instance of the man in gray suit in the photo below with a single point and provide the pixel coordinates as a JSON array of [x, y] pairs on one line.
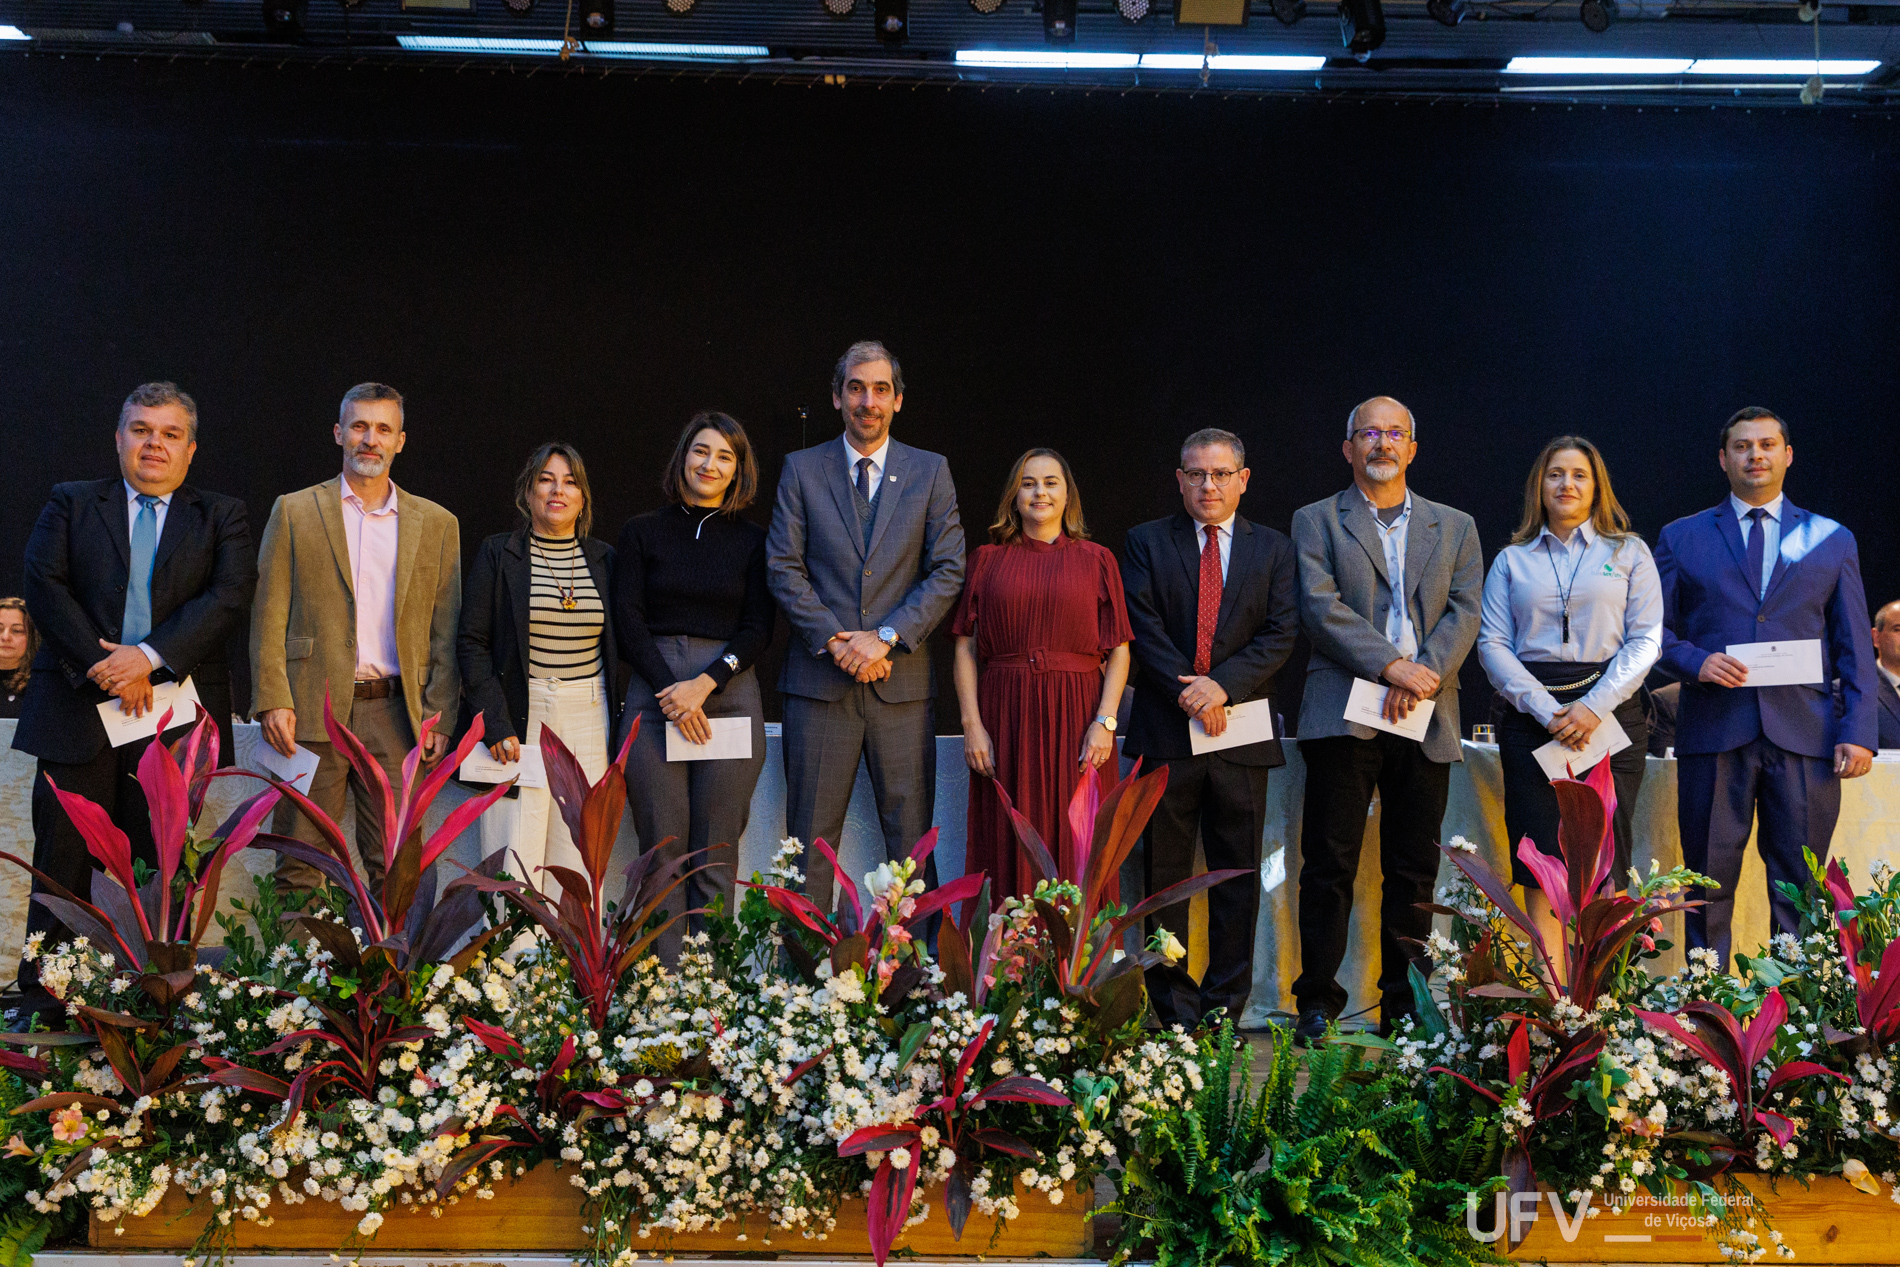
[[865, 558], [1356, 550]]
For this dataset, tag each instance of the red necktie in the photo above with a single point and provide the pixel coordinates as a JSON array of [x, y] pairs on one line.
[[1209, 611]]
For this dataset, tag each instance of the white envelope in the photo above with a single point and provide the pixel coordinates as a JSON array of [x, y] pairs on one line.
[[1606, 740], [479, 767], [180, 697], [302, 764], [731, 741], [1246, 723], [1795, 663], [1367, 700]]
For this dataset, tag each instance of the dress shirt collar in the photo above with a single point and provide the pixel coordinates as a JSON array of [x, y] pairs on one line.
[[1583, 531], [350, 498], [1383, 526], [1226, 527], [132, 496], [1741, 508], [1893, 680], [876, 455]]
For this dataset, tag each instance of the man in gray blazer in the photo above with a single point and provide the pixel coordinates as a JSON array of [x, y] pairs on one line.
[[865, 558], [1356, 550]]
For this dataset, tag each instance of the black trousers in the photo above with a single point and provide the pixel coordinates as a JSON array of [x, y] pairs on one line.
[[1341, 774], [1225, 805], [109, 780], [1530, 806]]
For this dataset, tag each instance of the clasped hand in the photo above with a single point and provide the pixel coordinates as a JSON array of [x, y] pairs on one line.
[[684, 704], [127, 674], [862, 654], [1410, 682], [1573, 726], [1206, 699]]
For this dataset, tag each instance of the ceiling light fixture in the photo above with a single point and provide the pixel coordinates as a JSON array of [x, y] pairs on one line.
[[1597, 15], [1134, 10], [892, 19], [1362, 26], [1058, 21], [1036, 59], [986, 7], [841, 8]]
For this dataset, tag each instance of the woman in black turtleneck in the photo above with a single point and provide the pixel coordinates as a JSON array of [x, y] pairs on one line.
[[693, 614]]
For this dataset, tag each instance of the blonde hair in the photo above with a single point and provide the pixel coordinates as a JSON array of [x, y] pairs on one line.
[[1606, 513], [1008, 524]]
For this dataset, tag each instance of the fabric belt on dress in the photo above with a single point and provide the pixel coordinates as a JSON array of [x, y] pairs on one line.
[[378, 687], [1040, 661]]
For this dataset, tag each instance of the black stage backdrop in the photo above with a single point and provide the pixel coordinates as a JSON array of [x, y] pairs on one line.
[[529, 257]]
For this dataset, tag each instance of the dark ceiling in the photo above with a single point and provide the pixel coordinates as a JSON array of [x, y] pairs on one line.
[[797, 39]]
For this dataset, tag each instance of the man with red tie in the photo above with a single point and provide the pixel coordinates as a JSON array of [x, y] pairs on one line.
[[1213, 602]]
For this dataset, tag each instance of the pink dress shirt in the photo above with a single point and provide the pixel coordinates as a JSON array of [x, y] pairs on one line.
[[372, 539]]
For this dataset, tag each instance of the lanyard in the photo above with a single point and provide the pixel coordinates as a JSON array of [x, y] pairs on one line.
[[1564, 591]]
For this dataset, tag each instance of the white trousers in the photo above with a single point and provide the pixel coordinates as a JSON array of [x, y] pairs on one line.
[[529, 824]]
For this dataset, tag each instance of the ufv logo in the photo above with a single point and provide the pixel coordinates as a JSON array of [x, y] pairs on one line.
[[1523, 1213]]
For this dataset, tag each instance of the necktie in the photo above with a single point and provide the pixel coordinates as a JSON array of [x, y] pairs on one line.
[[138, 584], [1757, 549], [864, 479], [1209, 611]]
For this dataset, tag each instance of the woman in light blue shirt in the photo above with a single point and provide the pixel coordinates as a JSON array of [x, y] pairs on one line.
[[1572, 624]]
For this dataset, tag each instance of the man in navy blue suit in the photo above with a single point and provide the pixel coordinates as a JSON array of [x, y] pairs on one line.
[[1757, 568], [1887, 655]]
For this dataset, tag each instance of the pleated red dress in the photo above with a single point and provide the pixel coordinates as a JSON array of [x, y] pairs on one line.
[[1044, 616]]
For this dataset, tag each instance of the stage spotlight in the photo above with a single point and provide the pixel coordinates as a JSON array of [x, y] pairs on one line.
[[841, 8], [283, 19], [519, 7], [1134, 10], [986, 7], [1447, 12], [680, 6], [597, 16], [1289, 11], [1597, 14], [1058, 21], [1362, 26], [892, 18]]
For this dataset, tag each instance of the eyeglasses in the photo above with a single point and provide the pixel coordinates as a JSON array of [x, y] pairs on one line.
[[1221, 478], [1371, 435]]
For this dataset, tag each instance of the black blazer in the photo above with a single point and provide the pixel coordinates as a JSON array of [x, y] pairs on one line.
[[492, 643], [1889, 713], [77, 563], [1259, 616]]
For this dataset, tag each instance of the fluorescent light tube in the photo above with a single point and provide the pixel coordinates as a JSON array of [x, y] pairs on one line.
[[1031, 59], [1229, 61], [13, 33], [589, 48], [1779, 66], [1598, 66]]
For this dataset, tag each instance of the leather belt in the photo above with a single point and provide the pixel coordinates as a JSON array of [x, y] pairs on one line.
[[1040, 661], [378, 687]]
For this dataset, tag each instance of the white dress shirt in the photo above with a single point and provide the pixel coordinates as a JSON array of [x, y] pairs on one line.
[[132, 509], [1226, 538], [373, 537], [1771, 544], [1893, 681], [1615, 615], [877, 455], [1398, 621]]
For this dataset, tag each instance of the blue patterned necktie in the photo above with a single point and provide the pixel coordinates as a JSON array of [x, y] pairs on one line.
[[1757, 550], [138, 584]]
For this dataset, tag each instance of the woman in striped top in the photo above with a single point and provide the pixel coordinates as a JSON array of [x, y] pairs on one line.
[[693, 613], [554, 581]]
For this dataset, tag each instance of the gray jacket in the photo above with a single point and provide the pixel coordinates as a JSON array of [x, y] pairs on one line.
[[1345, 598], [826, 581]]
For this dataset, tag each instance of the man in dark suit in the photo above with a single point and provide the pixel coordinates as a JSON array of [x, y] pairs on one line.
[[1757, 568], [865, 558], [1390, 585], [134, 580], [1213, 604], [1887, 661]]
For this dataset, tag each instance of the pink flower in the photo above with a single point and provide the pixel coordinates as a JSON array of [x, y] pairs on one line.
[[884, 971], [1655, 926], [69, 1124], [1646, 941], [17, 1147], [897, 935]]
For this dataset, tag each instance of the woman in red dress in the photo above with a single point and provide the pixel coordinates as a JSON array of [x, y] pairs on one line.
[[1042, 656]]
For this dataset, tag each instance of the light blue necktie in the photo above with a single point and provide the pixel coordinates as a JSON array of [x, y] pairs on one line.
[[138, 586]]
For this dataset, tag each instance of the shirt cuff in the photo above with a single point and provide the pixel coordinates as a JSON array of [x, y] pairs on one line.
[[158, 661]]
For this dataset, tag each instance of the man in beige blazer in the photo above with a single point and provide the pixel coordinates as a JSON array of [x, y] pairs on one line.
[[359, 592]]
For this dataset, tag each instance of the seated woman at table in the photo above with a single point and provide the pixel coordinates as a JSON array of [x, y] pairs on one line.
[[1572, 624], [1041, 657], [18, 643]]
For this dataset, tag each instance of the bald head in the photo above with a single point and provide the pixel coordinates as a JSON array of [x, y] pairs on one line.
[[1380, 446], [1380, 411], [1888, 616]]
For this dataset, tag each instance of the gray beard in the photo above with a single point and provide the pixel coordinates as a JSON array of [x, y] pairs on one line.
[[1382, 472], [361, 464]]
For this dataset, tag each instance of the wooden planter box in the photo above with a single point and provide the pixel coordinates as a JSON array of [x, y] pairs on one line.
[[1828, 1221], [541, 1211]]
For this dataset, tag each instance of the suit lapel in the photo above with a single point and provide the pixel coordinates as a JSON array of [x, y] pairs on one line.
[[840, 487], [184, 506], [896, 469], [329, 495], [1356, 517], [111, 504], [1239, 564], [1731, 532], [1187, 543], [517, 577], [1421, 542], [408, 544], [1792, 520]]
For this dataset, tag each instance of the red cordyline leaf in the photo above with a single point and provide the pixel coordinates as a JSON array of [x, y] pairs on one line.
[[850, 890], [889, 1206], [197, 757], [168, 801], [498, 1040], [968, 1059], [105, 842], [878, 1139]]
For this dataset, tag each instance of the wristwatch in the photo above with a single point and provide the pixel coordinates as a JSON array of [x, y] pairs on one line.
[[732, 661], [887, 635], [1107, 722]]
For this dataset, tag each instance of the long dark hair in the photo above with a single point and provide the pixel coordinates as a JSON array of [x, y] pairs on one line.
[[537, 462], [16, 681], [1008, 524], [745, 471]]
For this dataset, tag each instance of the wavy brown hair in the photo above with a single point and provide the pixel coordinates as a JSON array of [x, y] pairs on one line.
[[537, 462], [1008, 524], [745, 470], [1606, 513], [16, 681]]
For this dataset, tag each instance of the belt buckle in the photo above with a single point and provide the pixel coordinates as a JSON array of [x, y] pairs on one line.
[[1038, 661]]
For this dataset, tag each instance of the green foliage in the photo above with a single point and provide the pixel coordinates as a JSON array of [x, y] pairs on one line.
[[1284, 1176], [22, 1234]]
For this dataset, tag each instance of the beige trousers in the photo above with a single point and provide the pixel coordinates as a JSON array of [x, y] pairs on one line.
[[529, 824]]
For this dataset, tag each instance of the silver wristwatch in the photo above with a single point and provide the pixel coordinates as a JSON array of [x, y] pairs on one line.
[[887, 635], [1106, 721], [732, 661]]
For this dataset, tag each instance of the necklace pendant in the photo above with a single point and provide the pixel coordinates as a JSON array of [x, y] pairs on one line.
[[568, 604]]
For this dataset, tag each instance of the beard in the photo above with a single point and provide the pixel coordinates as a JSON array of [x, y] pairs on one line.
[[1382, 471], [368, 464]]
